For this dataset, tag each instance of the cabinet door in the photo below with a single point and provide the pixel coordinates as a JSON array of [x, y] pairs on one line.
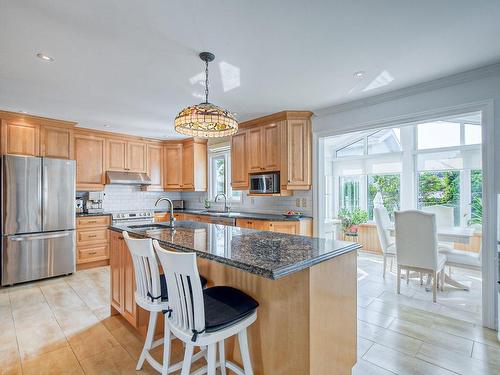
[[172, 178], [19, 138], [115, 269], [270, 147], [239, 169], [56, 142], [254, 150], [253, 224], [288, 227], [155, 167], [129, 306], [89, 155], [299, 154], [136, 157], [116, 151], [188, 167]]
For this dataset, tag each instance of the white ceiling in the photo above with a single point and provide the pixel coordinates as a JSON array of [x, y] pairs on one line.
[[133, 65]]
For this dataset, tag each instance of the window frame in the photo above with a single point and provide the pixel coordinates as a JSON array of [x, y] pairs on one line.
[[213, 155]]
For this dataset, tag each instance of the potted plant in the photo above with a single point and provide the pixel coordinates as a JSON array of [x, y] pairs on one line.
[[351, 219]]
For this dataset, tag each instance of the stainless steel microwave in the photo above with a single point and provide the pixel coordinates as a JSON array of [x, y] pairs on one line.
[[268, 183]]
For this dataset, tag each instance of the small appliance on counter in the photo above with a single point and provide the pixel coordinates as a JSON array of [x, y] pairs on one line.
[[268, 183], [178, 204], [93, 203], [78, 205]]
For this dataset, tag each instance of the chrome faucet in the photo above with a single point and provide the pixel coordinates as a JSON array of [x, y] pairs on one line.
[[226, 208], [172, 218]]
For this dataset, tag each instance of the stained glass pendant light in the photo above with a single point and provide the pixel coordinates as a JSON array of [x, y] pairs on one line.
[[205, 119]]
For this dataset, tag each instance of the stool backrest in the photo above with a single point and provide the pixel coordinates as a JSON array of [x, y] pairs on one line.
[[185, 294], [147, 274]]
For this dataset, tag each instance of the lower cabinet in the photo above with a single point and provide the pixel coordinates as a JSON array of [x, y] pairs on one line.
[[301, 227], [92, 241], [123, 285]]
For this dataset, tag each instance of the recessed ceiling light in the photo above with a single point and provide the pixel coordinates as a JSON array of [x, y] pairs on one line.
[[44, 57], [359, 74]]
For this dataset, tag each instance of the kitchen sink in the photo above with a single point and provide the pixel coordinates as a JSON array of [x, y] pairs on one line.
[[221, 213]]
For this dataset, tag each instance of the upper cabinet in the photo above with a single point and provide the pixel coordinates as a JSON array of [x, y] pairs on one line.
[[56, 142], [172, 176], [154, 167], [296, 155], [239, 157], [194, 165], [185, 165], [27, 135], [122, 155], [276, 143], [89, 155]]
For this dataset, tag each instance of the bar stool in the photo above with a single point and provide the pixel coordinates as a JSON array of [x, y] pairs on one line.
[[151, 294], [204, 318]]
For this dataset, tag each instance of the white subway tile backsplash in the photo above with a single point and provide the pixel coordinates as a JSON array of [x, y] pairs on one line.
[[128, 197]]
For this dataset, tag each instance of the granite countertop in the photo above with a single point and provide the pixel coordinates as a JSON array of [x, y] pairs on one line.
[[238, 215], [267, 254]]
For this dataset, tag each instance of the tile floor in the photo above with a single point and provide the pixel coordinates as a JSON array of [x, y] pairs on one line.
[[62, 326]]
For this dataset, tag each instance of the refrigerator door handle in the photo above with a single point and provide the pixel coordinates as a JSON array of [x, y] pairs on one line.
[[43, 236]]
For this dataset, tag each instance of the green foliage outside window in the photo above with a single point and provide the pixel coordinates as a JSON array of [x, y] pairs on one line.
[[352, 218], [476, 184], [440, 188], [388, 185]]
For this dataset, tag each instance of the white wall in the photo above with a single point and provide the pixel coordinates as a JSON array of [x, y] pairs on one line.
[[461, 92]]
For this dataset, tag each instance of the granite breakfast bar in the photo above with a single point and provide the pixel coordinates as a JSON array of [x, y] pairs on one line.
[[306, 288]]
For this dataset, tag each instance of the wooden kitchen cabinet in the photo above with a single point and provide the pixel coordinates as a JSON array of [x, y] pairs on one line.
[[155, 167], [296, 163], [122, 279], [301, 227], [92, 241], [128, 156], [28, 135], [56, 142], [239, 156], [270, 149], [20, 138], [116, 155], [254, 150], [136, 157], [172, 161], [89, 155], [194, 165], [276, 143]]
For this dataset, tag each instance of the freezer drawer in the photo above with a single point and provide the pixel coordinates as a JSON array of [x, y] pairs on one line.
[[36, 256]]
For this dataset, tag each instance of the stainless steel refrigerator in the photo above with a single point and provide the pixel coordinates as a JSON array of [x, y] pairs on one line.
[[37, 218]]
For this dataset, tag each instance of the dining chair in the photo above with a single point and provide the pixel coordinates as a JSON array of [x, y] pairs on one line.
[[445, 216], [204, 318], [417, 247], [383, 222]]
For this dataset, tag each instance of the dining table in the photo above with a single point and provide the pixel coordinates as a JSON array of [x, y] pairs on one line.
[[461, 235]]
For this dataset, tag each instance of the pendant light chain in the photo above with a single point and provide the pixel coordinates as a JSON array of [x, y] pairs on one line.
[[206, 81]]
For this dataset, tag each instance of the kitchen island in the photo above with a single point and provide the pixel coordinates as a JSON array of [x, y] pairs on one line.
[[306, 288]]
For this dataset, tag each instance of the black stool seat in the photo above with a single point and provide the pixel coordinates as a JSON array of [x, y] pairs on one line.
[[225, 306], [163, 286]]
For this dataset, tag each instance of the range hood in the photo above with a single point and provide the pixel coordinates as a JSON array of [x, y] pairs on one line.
[[127, 178]]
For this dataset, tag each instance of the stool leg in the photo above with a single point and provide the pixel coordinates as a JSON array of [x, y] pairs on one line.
[[166, 348], [211, 358], [245, 354], [186, 364], [222, 357], [149, 339]]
